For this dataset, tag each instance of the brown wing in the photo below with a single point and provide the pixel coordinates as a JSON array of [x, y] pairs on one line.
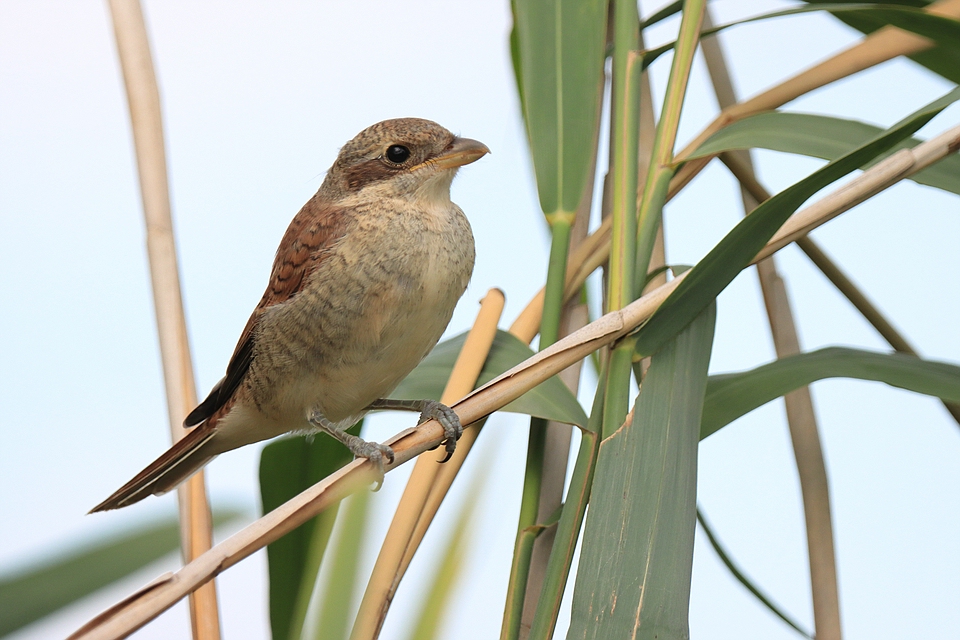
[[304, 246]]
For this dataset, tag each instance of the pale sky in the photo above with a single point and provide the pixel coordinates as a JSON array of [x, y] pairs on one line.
[[257, 99]]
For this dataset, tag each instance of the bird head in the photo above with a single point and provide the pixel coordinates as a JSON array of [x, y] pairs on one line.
[[404, 157]]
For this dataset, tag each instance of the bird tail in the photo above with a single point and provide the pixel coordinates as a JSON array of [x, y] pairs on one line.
[[178, 463]]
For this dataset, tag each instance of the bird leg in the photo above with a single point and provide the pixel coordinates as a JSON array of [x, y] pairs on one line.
[[360, 448], [429, 410]]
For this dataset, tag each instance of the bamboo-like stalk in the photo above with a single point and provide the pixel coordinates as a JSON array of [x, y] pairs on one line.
[[133, 612], [801, 419], [624, 140], [662, 157], [622, 178], [143, 96], [388, 569], [647, 140], [637, 253]]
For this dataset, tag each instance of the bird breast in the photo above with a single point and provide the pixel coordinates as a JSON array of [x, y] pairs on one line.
[[370, 312]]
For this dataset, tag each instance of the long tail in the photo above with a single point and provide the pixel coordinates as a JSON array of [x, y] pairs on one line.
[[177, 464]]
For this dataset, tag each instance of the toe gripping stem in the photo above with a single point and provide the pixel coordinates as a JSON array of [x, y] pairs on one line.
[[429, 410], [375, 452]]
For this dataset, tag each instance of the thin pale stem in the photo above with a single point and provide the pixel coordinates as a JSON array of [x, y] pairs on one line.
[[661, 168], [143, 97]]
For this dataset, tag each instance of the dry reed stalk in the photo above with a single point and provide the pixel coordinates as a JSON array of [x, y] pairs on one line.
[[143, 97], [397, 545], [801, 419], [133, 612]]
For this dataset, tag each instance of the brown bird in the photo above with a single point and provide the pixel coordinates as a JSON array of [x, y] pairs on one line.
[[365, 281]]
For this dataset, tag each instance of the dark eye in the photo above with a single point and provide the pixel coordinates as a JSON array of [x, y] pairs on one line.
[[398, 154]]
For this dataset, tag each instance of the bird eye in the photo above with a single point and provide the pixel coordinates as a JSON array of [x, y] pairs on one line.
[[398, 154]]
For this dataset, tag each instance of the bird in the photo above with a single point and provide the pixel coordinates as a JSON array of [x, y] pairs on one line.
[[364, 282]]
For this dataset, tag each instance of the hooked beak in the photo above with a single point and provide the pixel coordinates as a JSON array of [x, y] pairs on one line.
[[462, 151]]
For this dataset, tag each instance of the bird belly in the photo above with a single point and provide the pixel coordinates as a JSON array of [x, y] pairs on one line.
[[358, 327]]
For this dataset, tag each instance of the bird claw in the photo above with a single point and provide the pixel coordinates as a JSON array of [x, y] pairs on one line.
[[448, 419], [375, 453]]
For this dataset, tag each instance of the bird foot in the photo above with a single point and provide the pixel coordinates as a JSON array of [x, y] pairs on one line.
[[373, 451], [448, 419], [378, 454]]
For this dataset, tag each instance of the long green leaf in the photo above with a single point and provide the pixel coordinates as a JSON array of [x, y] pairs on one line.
[[820, 137], [559, 54], [551, 400], [635, 566], [732, 395], [945, 32], [942, 60], [721, 265], [37, 591], [287, 467]]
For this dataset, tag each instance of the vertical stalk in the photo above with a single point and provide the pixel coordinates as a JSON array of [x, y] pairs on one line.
[[801, 419], [648, 133], [661, 162], [568, 528], [624, 135], [143, 97]]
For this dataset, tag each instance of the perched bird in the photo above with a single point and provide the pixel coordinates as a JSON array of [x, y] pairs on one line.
[[365, 281]]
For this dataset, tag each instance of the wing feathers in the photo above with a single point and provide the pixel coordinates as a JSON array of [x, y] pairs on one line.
[[303, 247]]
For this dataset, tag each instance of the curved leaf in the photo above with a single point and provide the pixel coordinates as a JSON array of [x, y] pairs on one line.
[[551, 400], [732, 395], [37, 591], [941, 60], [744, 580], [943, 31], [735, 251], [820, 137]]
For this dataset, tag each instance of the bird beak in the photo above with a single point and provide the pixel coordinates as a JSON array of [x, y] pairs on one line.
[[462, 151]]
